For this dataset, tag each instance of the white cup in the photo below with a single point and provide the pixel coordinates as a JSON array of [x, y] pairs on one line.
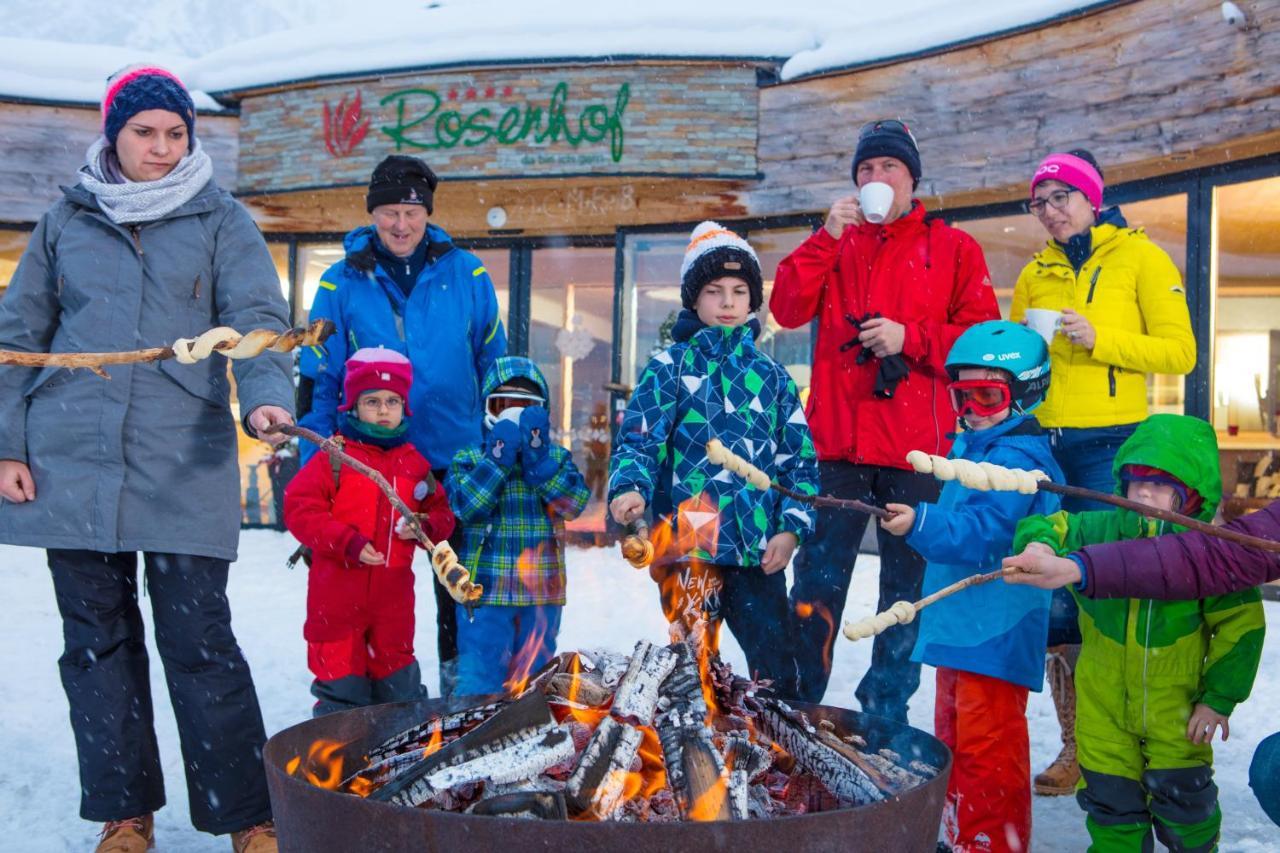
[[1044, 322], [876, 199]]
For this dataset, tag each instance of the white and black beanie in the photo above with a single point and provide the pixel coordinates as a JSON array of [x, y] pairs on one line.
[[715, 251]]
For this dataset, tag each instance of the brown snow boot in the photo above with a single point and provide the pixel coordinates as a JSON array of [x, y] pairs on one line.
[[255, 839], [1060, 777], [132, 835]]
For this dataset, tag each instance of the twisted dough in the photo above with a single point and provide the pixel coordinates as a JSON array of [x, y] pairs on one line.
[[718, 454], [232, 344], [638, 551], [900, 613], [982, 476], [453, 575]]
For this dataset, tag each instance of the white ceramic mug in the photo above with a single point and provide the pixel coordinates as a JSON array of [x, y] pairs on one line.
[[876, 199], [1044, 322]]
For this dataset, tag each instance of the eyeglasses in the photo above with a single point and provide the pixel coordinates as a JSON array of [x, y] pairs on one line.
[[1057, 199], [375, 404], [891, 124], [982, 397]]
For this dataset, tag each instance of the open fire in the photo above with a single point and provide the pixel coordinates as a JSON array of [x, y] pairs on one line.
[[668, 734]]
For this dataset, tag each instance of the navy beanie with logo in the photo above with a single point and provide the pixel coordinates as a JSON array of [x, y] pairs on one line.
[[400, 179], [888, 139]]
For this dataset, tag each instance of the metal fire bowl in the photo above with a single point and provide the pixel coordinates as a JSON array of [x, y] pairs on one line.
[[311, 820]]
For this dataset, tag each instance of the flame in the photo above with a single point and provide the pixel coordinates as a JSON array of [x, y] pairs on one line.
[[806, 610], [436, 740], [360, 786], [524, 660], [711, 804], [323, 768]]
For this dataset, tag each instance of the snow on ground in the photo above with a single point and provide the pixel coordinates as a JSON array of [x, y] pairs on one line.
[[610, 604]]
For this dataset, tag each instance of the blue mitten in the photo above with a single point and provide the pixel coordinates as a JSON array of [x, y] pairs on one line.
[[502, 442], [535, 445]]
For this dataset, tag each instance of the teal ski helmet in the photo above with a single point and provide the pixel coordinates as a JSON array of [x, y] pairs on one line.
[[1011, 347]]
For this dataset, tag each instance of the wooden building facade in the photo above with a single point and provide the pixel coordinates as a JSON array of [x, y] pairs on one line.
[[577, 182]]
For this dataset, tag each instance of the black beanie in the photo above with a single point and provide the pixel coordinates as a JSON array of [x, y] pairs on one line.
[[400, 179], [888, 138], [715, 251]]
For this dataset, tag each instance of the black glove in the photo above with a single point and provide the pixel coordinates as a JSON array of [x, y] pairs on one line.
[[892, 368]]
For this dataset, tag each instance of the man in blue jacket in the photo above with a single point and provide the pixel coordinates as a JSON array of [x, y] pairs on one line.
[[403, 285]]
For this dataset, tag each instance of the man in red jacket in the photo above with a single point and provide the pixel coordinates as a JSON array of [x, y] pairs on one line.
[[890, 299]]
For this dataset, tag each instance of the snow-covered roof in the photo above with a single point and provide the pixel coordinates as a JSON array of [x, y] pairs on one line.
[[805, 36]]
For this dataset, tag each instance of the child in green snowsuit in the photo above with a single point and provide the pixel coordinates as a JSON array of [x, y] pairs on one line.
[[1155, 678]]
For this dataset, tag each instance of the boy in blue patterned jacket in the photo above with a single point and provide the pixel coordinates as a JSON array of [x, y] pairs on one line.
[[728, 541], [988, 641], [512, 494]]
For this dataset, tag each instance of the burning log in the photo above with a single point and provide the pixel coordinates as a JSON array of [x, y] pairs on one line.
[[535, 805], [745, 761], [706, 794], [793, 732], [417, 737], [695, 769], [637, 693], [519, 741], [597, 782]]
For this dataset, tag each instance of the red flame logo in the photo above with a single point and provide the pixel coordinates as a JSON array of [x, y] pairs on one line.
[[345, 126]]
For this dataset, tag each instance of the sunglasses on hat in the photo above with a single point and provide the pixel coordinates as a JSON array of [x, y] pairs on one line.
[[893, 125], [981, 397]]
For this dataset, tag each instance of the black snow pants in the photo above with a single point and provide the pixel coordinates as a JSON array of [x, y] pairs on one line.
[[105, 674]]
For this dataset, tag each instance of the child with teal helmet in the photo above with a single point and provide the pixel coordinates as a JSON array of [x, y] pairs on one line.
[[988, 643]]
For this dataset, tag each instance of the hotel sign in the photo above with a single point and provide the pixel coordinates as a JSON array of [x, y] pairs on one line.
[[697, 121]]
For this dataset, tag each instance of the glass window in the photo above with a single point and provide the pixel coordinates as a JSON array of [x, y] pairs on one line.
[[313, 260], [651, 297], [571, 340], [792, 348], [1008, 242], [12, 244], [1246, 350]]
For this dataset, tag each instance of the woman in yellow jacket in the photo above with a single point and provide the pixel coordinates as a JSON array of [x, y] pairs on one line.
[[1123, 315]]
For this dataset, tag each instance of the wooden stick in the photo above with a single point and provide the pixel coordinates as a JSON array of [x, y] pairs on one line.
[[452, 574], [903, 612], [718, 454], [987, 477], [223, 340]]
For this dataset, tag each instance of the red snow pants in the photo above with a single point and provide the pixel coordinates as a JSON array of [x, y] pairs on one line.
[[984, 722]]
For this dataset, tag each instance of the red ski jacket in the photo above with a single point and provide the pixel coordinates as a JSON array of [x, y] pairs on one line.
[[928, 276], [336, 520]]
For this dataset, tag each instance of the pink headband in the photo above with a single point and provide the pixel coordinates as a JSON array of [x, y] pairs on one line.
[[1074, 172], [128, 76]]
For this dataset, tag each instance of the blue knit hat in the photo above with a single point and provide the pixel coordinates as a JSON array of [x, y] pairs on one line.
[[139, 88]]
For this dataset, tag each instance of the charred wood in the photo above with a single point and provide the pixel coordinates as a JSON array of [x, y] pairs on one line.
[[418, 736], [638, 692], [596, 785], [533, 805], [792, 731]]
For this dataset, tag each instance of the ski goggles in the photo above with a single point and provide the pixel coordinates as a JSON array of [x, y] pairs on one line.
[[500, 401], [982, 397]]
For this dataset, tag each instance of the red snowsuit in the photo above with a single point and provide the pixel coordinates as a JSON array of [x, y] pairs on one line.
[[360, 617], [930, 277]]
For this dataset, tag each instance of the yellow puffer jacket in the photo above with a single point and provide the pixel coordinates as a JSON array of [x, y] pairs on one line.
[[1132, 293]]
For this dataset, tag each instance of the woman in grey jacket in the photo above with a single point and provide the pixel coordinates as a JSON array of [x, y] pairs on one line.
[[144, 249]]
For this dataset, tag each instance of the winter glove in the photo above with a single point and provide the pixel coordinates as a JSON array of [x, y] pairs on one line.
[[503, 441], [535, 447], [892, 368]]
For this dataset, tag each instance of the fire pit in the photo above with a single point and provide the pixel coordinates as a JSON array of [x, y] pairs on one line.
[[656, 752]]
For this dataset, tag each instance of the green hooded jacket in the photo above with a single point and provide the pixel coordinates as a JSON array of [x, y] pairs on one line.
[[1166, 655]]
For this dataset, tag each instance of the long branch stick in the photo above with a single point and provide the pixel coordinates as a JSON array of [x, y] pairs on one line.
[[222, 340], [988, 477], [718, 454], [903, 612], [453, 575]]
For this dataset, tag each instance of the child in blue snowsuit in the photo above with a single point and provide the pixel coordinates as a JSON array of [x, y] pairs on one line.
[[725, 543], [512, 494], [988, 641]]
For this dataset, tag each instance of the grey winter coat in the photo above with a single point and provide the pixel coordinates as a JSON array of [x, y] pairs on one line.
[[147, 460]]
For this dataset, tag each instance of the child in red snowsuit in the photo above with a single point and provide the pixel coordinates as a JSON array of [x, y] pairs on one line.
[[359, 627]]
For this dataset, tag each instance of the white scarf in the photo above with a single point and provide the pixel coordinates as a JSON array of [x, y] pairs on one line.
[[125, 201]]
